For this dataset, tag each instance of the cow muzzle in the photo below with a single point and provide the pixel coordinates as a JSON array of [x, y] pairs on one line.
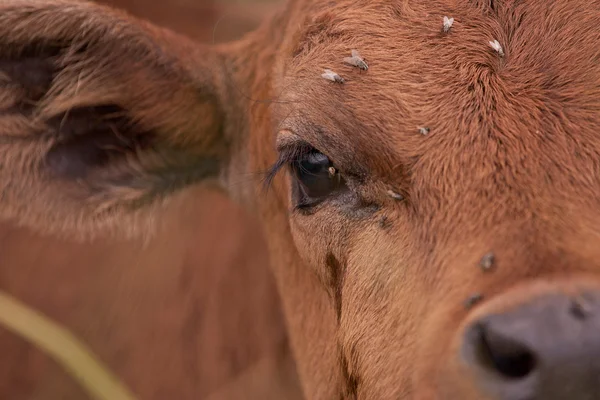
[[537, 342]]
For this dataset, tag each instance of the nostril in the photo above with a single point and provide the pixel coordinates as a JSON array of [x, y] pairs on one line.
[[504, 355], [545, 348]]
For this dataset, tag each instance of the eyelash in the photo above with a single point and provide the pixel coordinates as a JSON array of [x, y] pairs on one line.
[[287, 156]]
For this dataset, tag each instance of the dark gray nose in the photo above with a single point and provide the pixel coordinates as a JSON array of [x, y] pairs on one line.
[[547, 349]]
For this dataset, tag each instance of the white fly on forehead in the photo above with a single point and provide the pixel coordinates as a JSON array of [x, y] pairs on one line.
[[423, 130], [497, 47], [448, 24], [356, 61], [332, 76]]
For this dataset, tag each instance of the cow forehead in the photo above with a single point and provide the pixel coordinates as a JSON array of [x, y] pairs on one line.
[[531, 113]]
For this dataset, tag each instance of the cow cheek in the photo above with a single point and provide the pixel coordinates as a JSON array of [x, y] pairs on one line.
[[380, 312], [320, 238]]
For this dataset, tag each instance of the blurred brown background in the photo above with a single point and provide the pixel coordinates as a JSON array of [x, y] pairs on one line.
[[194, 315], [203, 20]]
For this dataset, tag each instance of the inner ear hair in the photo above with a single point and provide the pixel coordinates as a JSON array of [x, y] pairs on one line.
[[102, 117]]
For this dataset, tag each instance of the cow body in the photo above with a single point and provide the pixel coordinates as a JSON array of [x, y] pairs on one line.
[[431, 219]]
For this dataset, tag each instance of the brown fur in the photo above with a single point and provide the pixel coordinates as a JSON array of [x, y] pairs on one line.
[[510, 165]]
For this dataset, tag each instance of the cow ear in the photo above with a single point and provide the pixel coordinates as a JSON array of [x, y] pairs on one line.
[[102, 117]]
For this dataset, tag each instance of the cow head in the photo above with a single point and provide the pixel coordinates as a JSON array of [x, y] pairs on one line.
[[431, 202]]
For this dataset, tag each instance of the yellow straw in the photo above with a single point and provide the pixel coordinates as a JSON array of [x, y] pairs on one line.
[[60, 344]]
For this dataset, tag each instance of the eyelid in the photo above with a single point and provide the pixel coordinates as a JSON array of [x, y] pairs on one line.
[[287, 139], [290, 145], [290, 149]]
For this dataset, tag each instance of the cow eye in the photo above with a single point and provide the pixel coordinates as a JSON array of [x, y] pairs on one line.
[[316, 178]]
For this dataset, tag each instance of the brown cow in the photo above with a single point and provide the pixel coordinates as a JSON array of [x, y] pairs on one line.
[[432, 221]]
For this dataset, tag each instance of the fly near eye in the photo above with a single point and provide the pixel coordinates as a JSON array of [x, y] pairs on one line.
[[317, 178]]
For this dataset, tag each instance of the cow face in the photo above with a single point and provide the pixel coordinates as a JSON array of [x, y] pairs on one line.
[[447, 196], [432, 213]]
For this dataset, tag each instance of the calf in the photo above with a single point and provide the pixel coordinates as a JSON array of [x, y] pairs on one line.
[[431, 200]]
